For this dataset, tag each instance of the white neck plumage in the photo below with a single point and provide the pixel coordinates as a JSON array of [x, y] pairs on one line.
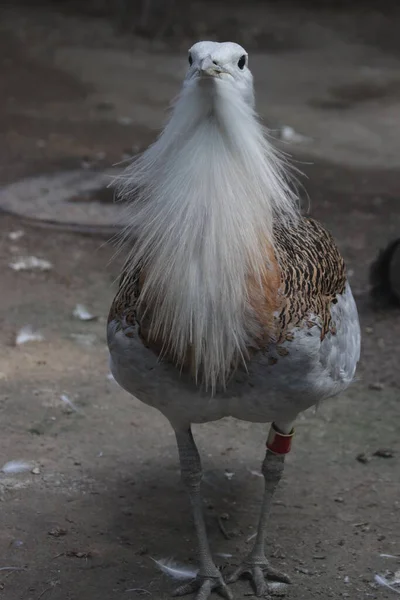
[[203, 200]]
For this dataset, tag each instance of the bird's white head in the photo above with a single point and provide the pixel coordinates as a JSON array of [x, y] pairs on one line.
[[214, 63]]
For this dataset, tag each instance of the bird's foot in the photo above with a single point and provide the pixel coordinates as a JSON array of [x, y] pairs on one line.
[[204, 585], [265, 579]]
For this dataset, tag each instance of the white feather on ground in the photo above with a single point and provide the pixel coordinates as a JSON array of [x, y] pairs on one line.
[[255, 473], [82, 313], [30, 263], [27, 334], [288, 134], [68, 402], [16, 235], [175, 570], [389, 584], [16, 466]]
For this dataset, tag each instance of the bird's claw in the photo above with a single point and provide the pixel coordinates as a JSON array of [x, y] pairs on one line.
[[259, 573], [204, 586]]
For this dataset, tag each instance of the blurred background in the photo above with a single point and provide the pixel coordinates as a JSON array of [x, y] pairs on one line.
[[83, 86]]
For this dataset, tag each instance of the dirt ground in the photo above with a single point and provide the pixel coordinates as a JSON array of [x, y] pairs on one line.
[[104, 497]]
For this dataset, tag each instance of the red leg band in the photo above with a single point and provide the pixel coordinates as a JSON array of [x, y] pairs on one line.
[[279, 443]]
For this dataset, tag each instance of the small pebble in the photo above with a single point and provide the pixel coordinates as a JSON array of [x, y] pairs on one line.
[[57, 532], [377, 386], [35, 471], [363, 458]]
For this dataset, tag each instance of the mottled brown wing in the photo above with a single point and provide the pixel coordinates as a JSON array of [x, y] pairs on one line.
[[312, 274], [303, 281], [124, 303]]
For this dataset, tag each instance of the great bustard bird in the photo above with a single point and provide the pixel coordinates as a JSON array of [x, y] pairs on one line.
[[230, 303]]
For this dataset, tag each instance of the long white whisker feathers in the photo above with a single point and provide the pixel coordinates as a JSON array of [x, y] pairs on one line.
[[203, 200]]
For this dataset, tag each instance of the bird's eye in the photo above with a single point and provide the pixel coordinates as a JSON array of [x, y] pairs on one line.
[[242, 61], [190, 59]]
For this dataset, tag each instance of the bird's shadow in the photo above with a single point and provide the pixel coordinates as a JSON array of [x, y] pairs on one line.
[[151, 518]]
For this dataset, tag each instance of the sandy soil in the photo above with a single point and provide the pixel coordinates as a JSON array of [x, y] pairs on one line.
[[104, 496]]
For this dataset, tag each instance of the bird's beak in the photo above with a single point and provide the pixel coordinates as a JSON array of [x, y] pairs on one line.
[[209, 69]]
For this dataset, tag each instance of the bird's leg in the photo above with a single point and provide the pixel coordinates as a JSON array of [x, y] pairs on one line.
[[256, 565], [209, 577]]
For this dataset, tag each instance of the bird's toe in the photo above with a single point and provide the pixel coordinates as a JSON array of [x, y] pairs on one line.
[[276, 574], [186, 588], [204, 586], [264, 578]]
